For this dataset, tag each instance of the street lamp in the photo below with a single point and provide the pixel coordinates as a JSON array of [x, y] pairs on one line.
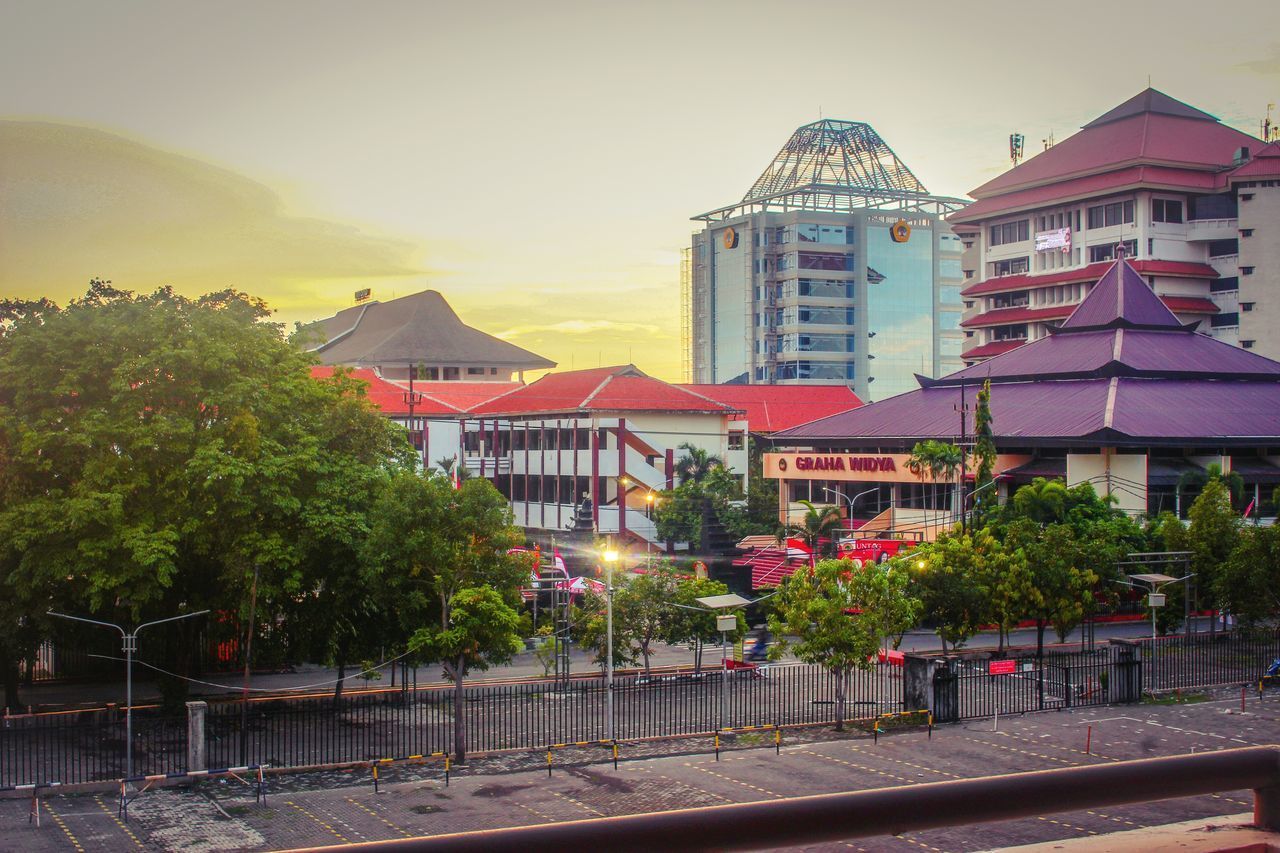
[[851, 500], [610, 556], [130, 639], [1155, 598], [723, 606], [413, 399]]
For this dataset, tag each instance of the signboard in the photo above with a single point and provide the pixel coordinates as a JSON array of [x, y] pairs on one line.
[[1002, 667], [862, 467], [1059, 238], [864, 551]]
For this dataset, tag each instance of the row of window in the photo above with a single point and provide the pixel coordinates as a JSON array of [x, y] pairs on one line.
[[816, 261], [1107, 251], [448, 374], [1010, 232], [1112, 213], [813, 370], [816, 343]]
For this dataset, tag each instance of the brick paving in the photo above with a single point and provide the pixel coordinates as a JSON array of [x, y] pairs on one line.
[[339, 807]]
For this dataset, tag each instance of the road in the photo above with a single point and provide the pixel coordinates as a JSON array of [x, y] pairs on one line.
[[525, 665], [335, 808]]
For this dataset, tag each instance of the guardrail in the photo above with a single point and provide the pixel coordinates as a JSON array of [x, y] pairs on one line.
[[890, 811]]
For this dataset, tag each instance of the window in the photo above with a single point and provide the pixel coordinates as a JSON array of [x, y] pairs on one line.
[[736, 439], [452, 373], [1107, 251], [1246, 270], [1166, 210], [1246, 306], [949, 294], [1016, 299], [1246, 232], [1221, 248], [1246, 196], [433, 374], [1247, 344], [1010, 232], [475, 371], [1223, 285], [948, 320], [1114, 213], [1012, 266], [493, 371], [1009, 333], [949, 268], [1219, 320]]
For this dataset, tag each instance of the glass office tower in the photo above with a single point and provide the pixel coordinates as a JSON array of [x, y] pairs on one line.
[[835, 267]]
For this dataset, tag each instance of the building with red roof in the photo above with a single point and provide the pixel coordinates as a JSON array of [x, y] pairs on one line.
[[773, 408], [1155, 179], [1122, 395]]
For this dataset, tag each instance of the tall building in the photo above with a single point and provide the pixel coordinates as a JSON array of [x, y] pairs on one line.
[[836, 266], [418, 335], [1179, 193]]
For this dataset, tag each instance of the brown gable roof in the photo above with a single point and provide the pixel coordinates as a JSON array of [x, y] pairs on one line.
[[416, 329]]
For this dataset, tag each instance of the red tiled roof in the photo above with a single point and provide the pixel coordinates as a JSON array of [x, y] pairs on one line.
[[462, 395], [1149, 133], [603, 389], [771, 408], [1092, 272], [1265, 164], [1190, 305], [387, 396], [993, 348], [1001, 316]]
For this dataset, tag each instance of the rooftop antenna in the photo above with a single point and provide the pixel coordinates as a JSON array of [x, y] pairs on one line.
[[1017, 146], [1048, 142], [1270, 132]]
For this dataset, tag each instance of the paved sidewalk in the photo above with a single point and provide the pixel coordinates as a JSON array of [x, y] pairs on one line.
[[331, 809]]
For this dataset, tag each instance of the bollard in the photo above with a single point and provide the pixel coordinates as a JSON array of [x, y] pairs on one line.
[[261, 798], [930, 725], [615, 754], [375, 778], [548, 762], [717, 746], [1242, 689], [875, 731], [777, 739], [35, 806], [1088, 740], [446, 771]]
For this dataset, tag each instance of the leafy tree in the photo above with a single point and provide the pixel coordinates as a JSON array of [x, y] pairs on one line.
[[678, 512], [156, 450], [1211, 537], [696, 627], [939, 460], [439, 557], [818, 524], [646, 612], [949, 578], [696, 463], [1062, 580], [838, 619], [1197, 479], [1043, 501], [1249, 581]]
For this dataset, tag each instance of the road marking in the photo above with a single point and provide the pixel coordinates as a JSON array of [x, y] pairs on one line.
[[1060, 748], [97, 798], [1024, 752], [884, 757], [920, 844], [1068, 825], [1112, 817], [864, 768], [580, 805], [1231, 800], [332, 831], [63, 826], [531, 810], [734, 781], [362, 807], [687, 785]]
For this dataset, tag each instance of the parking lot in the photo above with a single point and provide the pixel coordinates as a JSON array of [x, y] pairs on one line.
[[334, 808]]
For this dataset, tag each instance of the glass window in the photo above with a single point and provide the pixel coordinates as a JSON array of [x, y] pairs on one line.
[[1166, 210], [736, 439], [1113, 213], [1010, 232], [948, 320], [950, 346], [1107, 251], [1012, 266], [949, 294], [950, 268]]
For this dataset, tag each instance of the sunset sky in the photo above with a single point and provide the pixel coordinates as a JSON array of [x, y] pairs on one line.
[[537, 163]]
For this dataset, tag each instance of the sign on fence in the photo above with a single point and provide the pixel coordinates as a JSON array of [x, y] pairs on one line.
[[1002, 667]]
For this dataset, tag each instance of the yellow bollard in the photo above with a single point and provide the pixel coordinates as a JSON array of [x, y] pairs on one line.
[[548, 762], [777, 740]]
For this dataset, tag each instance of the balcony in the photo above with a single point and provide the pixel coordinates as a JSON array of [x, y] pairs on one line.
[[1212, 229]]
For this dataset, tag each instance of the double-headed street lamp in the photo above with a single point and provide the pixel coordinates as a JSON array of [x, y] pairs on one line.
[[130, 639]]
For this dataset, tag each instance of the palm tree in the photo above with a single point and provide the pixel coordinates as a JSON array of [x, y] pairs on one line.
[[1043, 501], [1196, 479], [696, 463], [939, 459], [818, 523]]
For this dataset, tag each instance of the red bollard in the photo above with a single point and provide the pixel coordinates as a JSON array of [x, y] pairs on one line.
[[1242, 691], [1088, 740]]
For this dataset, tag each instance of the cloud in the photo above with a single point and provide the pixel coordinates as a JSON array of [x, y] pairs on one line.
[[1268, 65], [580, 327], [76, 202]]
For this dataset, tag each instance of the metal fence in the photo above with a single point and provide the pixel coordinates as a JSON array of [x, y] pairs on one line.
[[88, 746], [1207, 659]]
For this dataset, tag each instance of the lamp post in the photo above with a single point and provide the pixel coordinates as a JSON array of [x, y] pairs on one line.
[[649, 500], [413, 399], [610, 558], [130, 640], [964, 510]]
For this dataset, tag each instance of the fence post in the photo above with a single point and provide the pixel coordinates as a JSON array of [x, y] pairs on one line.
[[917, 681], [1125, 681], [196, 757]]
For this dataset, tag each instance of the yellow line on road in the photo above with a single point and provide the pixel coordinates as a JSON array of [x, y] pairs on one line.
[[575, 802], [97, 798], [332, 831], [63, 826], [372, 813]]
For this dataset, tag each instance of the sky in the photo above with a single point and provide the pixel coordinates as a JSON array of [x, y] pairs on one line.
[[537, 163]]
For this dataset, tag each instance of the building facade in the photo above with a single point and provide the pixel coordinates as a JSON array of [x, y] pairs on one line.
[[1123, 396], [1153, 179], [836, 266]]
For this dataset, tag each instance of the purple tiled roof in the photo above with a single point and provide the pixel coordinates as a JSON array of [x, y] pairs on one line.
[[1191, 408], [1121, 298]]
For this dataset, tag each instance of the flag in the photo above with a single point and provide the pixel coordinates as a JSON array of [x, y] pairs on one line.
[[455, 472], [1249, 508]]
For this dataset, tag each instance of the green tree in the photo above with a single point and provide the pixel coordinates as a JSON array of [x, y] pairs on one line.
[[839, 619], [439, 557], [696, 627], [938, 460], [1248, 583], [1062, 582], [949, 579], [1211, 537], [156, 450], [695, 464], [818, 524]]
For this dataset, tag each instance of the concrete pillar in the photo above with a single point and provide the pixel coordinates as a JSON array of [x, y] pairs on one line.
[[917, 682], [1124, 673], [196, 758]]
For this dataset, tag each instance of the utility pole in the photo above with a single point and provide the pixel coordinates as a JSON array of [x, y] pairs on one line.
[[963, 409], [248, 653]]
